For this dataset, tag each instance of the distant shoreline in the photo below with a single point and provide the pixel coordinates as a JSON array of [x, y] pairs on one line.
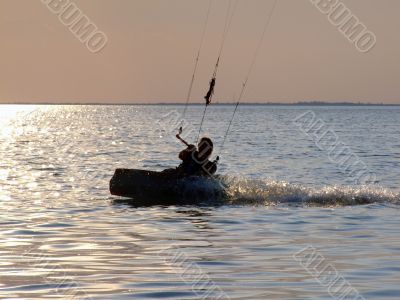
[[317, 103]]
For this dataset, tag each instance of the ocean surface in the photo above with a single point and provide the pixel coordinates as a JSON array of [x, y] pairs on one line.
[[313, 208]]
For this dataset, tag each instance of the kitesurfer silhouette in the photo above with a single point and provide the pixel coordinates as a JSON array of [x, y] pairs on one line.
[[195, 160]]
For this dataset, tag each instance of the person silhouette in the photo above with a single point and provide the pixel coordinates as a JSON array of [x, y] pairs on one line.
[[196, 160]]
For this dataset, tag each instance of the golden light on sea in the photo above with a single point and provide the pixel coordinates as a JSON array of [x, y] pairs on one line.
[[11, 113]]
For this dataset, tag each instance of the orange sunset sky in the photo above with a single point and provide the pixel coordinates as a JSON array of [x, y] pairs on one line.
[[152, 45]]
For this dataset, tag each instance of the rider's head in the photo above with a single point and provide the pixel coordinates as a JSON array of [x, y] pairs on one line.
[[205, 147]]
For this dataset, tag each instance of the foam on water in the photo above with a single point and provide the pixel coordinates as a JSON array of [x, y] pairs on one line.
[[228, 190], [270, 192]]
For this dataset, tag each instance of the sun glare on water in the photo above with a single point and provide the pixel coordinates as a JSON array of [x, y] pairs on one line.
[[8, 112], [11, 113]]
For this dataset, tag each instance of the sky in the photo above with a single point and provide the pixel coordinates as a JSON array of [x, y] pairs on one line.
[[152, 45]]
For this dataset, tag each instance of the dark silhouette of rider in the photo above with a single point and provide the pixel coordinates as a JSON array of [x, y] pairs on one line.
[[195, 160]]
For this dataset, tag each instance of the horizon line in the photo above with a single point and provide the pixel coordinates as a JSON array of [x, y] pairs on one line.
[[300, 103]]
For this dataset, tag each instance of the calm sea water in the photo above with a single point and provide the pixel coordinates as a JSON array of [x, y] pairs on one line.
[[63, 236]]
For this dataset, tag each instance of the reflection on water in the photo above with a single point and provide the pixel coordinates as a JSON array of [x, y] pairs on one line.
[[62, 235]]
